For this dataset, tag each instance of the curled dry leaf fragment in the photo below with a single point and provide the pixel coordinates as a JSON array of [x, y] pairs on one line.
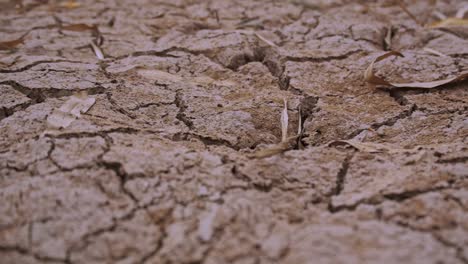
[[435, 52], [369, 73], [284, 122], [388, 38], [97, 51], [272, 150], [70, 110], [370, 77]]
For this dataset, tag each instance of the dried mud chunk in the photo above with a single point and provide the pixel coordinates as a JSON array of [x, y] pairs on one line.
[[371, 178], [14, 236], [341, 118], [422, 129], [63, 207], [144, 155], [128, 241], [25, 154], [444, 212], [17, 257], [64, 76], [243, 115], [77, 152], [429, 211], [440, 100], [159, 168], [11, 101], [231, 49], [368, 241], [275, 172], [24, 125]]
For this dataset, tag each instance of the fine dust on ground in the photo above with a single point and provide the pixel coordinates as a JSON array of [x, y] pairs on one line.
[[160, 168]]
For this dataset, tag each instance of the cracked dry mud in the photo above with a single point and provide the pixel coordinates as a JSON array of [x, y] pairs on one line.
[[159, 169]]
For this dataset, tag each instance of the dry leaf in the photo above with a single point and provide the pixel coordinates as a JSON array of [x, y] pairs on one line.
[[275, 149], [450, 22], [456, 21], [70, 4], [79, 27], [97, 51], [70, 110], [284, 122], [370, 77], [369, 73], [7, 45]]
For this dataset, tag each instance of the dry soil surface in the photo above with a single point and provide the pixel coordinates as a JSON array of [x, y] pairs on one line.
[[160, 169]]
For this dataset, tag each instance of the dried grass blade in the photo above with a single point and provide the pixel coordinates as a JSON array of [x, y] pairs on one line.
[[435, 52], [269, 42], [450, 22], [406, 10]]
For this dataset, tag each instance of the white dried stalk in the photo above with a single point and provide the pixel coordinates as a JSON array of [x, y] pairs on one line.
[[461, 12], [269, 42], [299, 126], [97, 51], [284, 122], [439, 15]]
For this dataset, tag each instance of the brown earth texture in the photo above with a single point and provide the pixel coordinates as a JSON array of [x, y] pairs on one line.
[[178, 159]]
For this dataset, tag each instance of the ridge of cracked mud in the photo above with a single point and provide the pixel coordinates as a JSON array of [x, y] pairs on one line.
[[158, 170]]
